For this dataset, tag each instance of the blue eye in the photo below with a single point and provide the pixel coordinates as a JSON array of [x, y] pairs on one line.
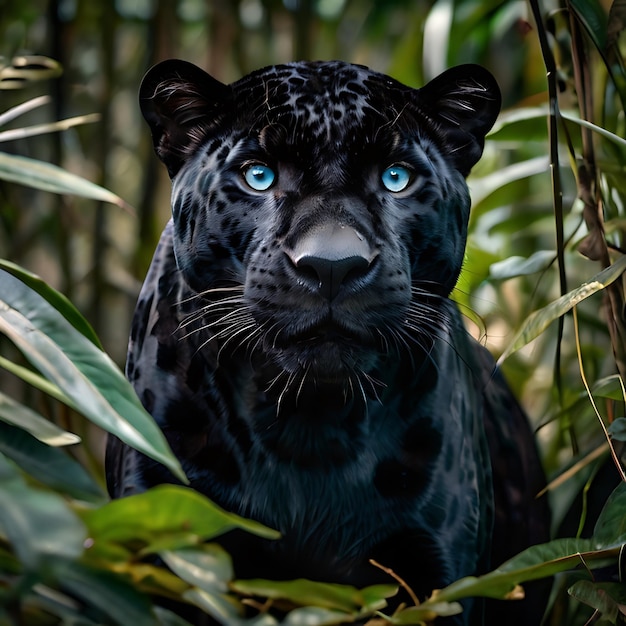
[[259, 177], [396, 178]]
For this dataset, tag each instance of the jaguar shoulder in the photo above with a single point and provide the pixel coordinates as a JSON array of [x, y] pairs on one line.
[[294, 338]]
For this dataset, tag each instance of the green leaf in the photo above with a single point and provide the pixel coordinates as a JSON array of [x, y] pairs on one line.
[[617, 429], [85, 374], [607, 598], [325, 595], [609, 387], [519, 266], [223, 610], [48, 177], [13, 412], [50, 466], [39, 525], [208, 566], [610, 528], [539, 320], [425, 613], [540, 561], [593, 17], [166, 517], [315, 616], [56, 299]]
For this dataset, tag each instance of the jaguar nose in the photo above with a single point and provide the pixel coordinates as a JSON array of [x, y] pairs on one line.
[[331, 257]]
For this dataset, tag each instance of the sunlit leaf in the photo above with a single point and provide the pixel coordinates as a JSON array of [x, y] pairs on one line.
[[85, 374], [54, 298], [208, 567], [307, 592], [52, 127], [520, 266], [48, 177], [166, 517], [48, 465], [539, 320], [24, 107], [13, 412]]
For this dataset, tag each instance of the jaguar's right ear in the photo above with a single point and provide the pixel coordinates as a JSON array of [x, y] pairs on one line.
[[181, 103]]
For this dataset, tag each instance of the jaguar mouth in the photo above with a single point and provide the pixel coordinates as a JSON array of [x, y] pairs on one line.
[[327, 332]]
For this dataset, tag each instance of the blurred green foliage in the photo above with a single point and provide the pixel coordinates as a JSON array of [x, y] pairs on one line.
[[548, 217]]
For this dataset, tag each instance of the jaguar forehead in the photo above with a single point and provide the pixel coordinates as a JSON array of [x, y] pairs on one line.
[[334, 97]]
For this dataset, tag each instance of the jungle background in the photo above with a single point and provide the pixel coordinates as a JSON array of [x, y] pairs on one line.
[[542, 285]]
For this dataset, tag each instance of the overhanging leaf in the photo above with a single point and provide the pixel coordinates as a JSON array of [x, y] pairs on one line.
[[85, 374], [54, 298], [48, 177], [13, 412], [539, 320]]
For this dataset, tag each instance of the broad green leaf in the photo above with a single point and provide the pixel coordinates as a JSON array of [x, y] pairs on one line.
[[308, 592], [610, 527], [13, 412], [50, 466], [208, 566], [617, 429], [48, 177], [594, 19], [609, 387], [520, 266], [539, 320], [540, 561], [607, 598], [85, 374], [166, 517], [54, 298], [35, 379], [482, 188], [39, 525]]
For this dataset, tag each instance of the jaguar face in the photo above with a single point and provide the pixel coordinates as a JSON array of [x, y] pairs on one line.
[[320, 209]]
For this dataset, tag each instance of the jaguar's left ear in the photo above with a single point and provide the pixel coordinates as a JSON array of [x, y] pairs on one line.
[[464, 103], [181, 103]]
